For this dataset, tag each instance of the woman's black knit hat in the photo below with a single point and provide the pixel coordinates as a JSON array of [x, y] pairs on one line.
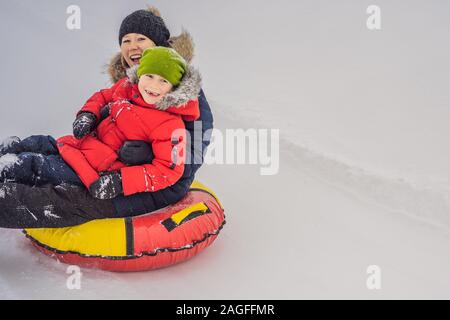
[[146, 23]]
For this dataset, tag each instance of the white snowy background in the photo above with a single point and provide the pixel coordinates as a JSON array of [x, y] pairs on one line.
[[364, 155]]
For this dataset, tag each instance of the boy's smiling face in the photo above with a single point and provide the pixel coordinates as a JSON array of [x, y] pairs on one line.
[[153, 87]]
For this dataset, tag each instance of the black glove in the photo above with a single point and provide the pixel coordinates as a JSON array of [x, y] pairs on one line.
[[105, 112], [107, 187], [134, 153], [84, 124]]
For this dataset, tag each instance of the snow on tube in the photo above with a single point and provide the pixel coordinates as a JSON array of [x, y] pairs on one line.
[[159, 239]]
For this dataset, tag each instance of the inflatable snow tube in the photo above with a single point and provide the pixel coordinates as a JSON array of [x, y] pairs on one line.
[[159, 239]]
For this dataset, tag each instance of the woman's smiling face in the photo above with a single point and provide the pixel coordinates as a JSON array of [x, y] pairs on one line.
[[132, 47]]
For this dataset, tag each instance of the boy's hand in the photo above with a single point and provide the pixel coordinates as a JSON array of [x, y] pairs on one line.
[[134, 153], [84, 124], [107, 187]]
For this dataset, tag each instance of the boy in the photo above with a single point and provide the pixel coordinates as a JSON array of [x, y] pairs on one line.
[[141, 109]]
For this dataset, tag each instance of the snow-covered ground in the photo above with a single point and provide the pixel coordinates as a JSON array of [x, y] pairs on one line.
[[364, 162]]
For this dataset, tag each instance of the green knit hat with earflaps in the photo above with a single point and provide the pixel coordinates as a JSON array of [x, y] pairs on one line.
[[165, 62]]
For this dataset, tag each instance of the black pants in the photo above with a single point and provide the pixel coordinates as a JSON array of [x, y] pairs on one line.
[[39, 190], [32, 184], [35, 161], [48, 206]]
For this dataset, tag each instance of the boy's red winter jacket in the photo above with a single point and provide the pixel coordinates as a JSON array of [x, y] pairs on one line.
[[131, 118]]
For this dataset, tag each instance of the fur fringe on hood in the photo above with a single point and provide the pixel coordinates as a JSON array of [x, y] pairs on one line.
[[188, 89], [183, 44]]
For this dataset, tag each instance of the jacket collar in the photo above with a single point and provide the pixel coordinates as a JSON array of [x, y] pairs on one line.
[[188, 89]]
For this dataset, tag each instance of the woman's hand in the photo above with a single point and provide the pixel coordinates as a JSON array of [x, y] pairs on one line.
[[134, 153]]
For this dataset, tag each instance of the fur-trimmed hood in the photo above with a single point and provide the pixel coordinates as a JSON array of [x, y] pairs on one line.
[[188, 89], [183, 44]]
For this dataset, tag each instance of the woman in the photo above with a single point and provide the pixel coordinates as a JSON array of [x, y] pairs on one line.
[[34, 203]]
